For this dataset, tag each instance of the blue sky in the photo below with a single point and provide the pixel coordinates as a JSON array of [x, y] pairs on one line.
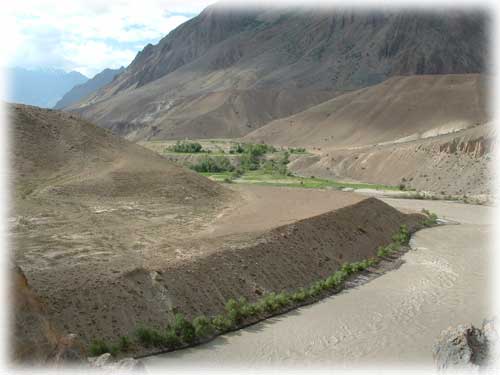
[[87, 35]]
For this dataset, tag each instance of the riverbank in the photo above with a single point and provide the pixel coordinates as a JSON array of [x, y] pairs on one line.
[[281, 269], [444, 282]]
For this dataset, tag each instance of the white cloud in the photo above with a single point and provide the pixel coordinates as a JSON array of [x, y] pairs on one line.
[[87, 35]]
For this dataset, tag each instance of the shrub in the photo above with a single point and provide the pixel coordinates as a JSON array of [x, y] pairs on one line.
[[269, 302], [357, 266], [233, 310], [249, 162], [124, 344], [373, 261], [431, 218], [347, 268], [237, 173], [185, 147], [222, 323], [250, 309], [203, 326], [98, 347], [149, 337], [317, 288], [299, 296], [383, 251], [114, 349], [333, 280], [283, 299], [213, 164], [183, 329], [236, 149], [403, 236], [298, 150], [171, 339]]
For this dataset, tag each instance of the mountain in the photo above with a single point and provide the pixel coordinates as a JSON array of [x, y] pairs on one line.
[[403, 108], [229, 71], [40, 87], [80, 92]]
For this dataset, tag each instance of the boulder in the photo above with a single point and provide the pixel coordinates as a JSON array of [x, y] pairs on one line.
[[466, 346]]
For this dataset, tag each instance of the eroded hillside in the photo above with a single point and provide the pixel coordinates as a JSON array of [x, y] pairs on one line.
[[229, 71]]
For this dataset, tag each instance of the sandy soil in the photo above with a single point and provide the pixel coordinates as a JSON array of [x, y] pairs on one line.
[[262, 208], [100, 278], [393, 319], [459, 163], [400, 108]]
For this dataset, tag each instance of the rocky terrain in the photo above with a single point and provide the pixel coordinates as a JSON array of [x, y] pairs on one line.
[[429, 133], [456, 164], [107, 246], [401, 109], [467, 347], [230, 71]]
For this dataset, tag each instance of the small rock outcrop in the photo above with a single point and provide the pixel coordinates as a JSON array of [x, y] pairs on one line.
[[107, 362], [467, 347]]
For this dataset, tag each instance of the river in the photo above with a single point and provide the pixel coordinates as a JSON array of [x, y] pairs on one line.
[[393, 319]]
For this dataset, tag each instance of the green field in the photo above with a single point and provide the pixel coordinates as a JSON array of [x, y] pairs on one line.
[[261, 178]]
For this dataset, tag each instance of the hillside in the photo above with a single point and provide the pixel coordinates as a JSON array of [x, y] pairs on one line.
[[429, 132], [55, 153], [110, 236], [40, 87], [229, 71], [399, 109], [83, 90]]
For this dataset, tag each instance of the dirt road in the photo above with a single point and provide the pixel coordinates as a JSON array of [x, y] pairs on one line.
[[393, 319]]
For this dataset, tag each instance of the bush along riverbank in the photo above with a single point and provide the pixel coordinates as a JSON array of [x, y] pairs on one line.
[[240, 313]]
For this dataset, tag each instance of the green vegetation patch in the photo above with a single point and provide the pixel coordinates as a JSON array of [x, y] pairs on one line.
[[265, 176], [185, 147], [431, 218], [213, 164]]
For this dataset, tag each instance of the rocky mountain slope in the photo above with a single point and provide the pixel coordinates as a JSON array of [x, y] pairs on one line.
[[83, 90], [229, 71], [428, 132], [403, 108]]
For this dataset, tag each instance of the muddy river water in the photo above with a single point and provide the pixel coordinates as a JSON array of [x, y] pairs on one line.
[[393, 319]]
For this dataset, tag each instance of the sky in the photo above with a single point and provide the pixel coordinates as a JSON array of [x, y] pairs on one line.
[[87, 35]]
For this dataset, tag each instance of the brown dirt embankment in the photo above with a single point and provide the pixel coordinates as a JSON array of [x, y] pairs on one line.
[[285, 258]]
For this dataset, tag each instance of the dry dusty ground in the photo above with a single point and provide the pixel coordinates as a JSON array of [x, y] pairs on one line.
[[458, 163], [106, 266], [111, 236]]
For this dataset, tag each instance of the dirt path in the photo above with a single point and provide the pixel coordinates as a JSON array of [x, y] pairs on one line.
[[393, 319]]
